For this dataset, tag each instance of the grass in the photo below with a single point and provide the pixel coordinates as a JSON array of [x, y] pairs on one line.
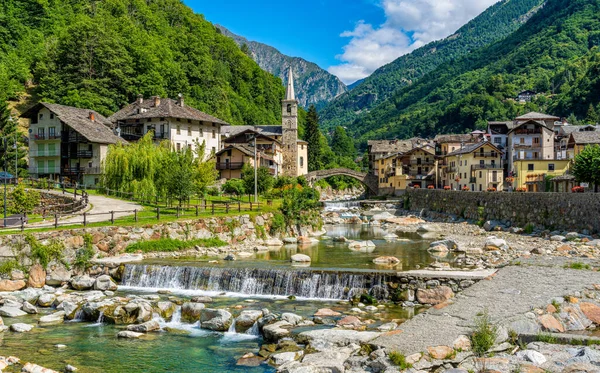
[[556, 305], [529, 228], [484, 335], [7, 267], [399, 360], [546, 338], [169, 245], [578, 266]]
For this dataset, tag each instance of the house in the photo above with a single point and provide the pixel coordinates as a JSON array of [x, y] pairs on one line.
[[415, 168], [278, 146], [526, 96], [170, 120], [531, 138], [68, 143], [498, 132], [446, 144], [243, 148], [532, 174], [478, 167], [578, 140], [378, 150]]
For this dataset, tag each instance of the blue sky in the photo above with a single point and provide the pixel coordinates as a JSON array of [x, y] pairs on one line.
[[348, 38]]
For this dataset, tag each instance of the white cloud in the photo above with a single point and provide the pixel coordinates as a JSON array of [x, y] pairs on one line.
[[427, 20]]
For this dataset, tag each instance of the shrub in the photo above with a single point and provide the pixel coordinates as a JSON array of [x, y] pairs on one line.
[[484, 336], [169, 244], [7, 267], [430, 187], [24, 200], [278, 223], [234, 186], [529, 228], [84, 255], [577, 265], [465, 189], [44, 254], [399, 360]]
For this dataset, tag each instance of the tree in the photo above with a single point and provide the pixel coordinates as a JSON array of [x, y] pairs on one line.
[[592, 115], [265, 179], [234, 186], [313, 137], [586, 168], [341, 143], [12, 145], [23, 200]]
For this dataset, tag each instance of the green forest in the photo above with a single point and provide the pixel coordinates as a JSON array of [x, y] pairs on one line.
[[101, 54], [496, 23], [555, 53]]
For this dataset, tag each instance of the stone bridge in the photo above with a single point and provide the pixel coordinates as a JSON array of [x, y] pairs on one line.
[[368, 180]]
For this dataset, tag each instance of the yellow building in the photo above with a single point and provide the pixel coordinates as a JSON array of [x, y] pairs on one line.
[[579, 140], [478, 167], [414, 168], [531, 174]]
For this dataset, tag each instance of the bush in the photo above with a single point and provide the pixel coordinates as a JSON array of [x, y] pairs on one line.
[[277, 223], [234, 186], [399, 360], [84, 255], [169, 244], [7, 267], [23, 200], [44, 254], [484, 336]]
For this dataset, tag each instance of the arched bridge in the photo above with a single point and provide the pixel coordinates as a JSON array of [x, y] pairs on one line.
[[369, 181]]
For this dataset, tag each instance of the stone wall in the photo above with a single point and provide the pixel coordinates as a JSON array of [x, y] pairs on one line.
[[553, 211]]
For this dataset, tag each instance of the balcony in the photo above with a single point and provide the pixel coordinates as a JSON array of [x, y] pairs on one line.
[[486, 155], [535, 178], [73, 137], [230, 166], [527, 158], [487, 166], [44, 153], [44, 170], [81, 171], [527, 146], [524, 131], [82, 154], [422, 162], [472, 180]]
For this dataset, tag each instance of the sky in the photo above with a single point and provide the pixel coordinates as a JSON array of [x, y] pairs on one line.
[[348, 38]]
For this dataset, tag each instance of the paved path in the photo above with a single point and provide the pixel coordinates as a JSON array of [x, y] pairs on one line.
[[97, 205], [507, 297]]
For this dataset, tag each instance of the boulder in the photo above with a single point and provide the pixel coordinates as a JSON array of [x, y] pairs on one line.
[[12, 285], [450, 245], [8, 311], [276, 331], [201, 299], [362, 246], [327, 338], [493, 243], [558, 238], [350, 322], [21, 328], [273, 242], [216, 319], [591, 311], [191, 312], [462, 343], [285, 357], [440, 352], [247, 318], [129, 334], [166, 309], [434, 296], [29, 308], [148, 326], [328, 361], [84, 282], [291, 318], [17, 274], [301, 258], [551, 324], [532, 356], [386, 260], [326, 312], [290, 240], [37, 276], [105, 282], [70, 309], [53, 319], [58, 276], [46, 300], [33, 368]]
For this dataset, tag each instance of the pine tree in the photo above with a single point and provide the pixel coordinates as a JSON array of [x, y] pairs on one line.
[[313, 137], [13, 150], [592, 115], [341, 143]]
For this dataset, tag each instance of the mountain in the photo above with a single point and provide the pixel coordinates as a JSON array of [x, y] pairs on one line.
[[494, 24], [102, 54], [313, 84], [556, 52]]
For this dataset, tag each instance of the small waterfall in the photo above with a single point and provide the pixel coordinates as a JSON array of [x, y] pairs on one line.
[[231, 335], [254, 331], [347, 209], [100, 320], [232, 327], [79, 316], [315, 284]]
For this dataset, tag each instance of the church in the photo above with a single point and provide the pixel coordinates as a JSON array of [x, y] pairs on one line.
[[275, 147]]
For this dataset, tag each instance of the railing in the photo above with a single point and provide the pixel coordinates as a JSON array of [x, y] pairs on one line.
[[44, 170], [160, 135], [230, 165], [522, 131], [44, 153], [39, 137], [486, 155], [472, 180], [82, 154], [451, 170], [527, 146], [487, 166], [517, 157], [81, 171], [423, 162]]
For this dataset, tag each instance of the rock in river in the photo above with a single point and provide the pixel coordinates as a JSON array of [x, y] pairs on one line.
[[434, 296], [215, 319], [300, 258]]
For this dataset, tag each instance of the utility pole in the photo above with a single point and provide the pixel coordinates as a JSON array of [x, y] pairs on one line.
[[4, 148], [16, 160], [255, 173]]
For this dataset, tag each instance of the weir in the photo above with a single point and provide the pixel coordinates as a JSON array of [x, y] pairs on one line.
[[304, 283]]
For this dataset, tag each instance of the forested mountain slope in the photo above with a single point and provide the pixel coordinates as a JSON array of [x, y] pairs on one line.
[[497, 22], [101, 54]]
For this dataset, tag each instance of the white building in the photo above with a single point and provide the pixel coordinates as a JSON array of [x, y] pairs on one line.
[[169, 120]]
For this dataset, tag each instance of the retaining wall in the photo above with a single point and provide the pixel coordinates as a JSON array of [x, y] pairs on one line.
[[554, 211]]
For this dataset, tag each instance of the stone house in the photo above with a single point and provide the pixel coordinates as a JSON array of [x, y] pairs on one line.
[[415, 168], [478, 167], [170, 120], [378, 150], [578, 140], [531, 138], [68, 143], [446, 144]]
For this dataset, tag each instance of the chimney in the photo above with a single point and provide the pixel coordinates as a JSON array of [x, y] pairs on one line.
[[180, 100], [156, 101], [140, 99], [92, 116]]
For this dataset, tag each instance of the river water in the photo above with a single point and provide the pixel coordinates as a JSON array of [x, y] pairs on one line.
[[262, 281]]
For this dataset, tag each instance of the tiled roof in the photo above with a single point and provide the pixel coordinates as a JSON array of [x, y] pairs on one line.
[[472, 147], [245, 149], [166, 108], [586, 137], [99, 130], [394, 146], [536, 115], [264, 130], [456, 138]]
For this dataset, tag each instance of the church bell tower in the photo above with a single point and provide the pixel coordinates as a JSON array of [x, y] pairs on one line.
[[289, 127]]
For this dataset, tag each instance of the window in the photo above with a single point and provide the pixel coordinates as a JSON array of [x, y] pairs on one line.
[[51, 115], [497, 140], [178, 147], [89, 164], [214, 149], [189, 121], [41, 116], [301, 161], [382, 161], [480, 188], [40, 134], [200, 134], [161, 119], [530, 167], [189, 130], [550, 166], [214, 134], [522, 140], [178, 129], [178, 119], [480, 174], [52, 132], [495, 176], [536, 140], [51, 150]]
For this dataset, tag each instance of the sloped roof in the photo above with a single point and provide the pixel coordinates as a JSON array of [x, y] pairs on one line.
[[455, 138], [232, 138], [167, 108], [245, 149], [99, 130], [585, 137], [394, 146], [263, 130], [472, 147], [536, 115]]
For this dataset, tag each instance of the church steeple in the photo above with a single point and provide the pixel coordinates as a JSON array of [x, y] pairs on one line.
[[290, 95]]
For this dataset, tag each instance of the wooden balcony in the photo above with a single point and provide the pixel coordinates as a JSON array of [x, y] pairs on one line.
[[230, 166]]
